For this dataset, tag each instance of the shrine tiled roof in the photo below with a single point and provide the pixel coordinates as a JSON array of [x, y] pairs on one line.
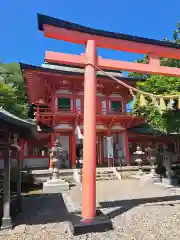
[[46, 20], [66, 70], [12, 119], [80, 70], [145, 129]]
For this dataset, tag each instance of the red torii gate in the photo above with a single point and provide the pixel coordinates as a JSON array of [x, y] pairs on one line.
[[92, 38]]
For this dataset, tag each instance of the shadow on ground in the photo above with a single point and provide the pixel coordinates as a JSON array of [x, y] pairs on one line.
[[42, 209], [50, 208], [126, 205]]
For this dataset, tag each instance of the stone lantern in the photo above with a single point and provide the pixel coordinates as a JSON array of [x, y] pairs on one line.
[[167, 163], [56, 184], [139, 160], [57, 153], [151, 158]]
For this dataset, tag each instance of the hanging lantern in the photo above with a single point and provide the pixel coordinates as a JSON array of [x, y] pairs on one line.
[[170, 104], [162, 104], [155, 102], [142, 101]]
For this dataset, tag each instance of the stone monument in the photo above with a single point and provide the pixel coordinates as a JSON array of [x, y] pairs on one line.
[[167, 162], [56, 184], [151, 157]]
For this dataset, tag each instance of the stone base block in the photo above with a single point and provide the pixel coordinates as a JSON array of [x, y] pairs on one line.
[[153, 178], [100, 223], [170, 181], [138, 175], [55, 186], [6, 224]]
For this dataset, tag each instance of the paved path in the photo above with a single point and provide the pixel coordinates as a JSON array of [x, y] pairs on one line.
[[139, 211]]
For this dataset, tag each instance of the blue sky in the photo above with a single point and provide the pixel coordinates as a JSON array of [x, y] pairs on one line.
[[21, 41]]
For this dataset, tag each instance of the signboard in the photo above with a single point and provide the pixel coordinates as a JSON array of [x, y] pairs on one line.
[[109, 142]]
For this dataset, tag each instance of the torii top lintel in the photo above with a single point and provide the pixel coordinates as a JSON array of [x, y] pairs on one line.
[[71, 32]]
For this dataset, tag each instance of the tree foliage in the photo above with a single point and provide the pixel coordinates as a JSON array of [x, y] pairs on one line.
[[167, 121], [12, 90]]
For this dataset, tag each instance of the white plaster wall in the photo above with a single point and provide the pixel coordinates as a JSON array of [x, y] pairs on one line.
[[63, 126], [36, 163], [63, 92], [117, 127], [97, 94], [30, 163], [98, 127]]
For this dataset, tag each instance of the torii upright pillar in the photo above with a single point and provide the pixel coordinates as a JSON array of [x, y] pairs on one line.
[[89, 145]]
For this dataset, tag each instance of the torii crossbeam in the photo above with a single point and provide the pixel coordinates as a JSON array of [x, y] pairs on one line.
[[92, 38]]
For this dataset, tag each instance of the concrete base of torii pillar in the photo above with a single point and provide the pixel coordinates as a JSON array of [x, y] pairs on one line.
[[100, 223]]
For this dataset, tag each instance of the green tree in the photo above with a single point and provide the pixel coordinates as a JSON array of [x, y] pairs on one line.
[[12, 90], [167, 121]]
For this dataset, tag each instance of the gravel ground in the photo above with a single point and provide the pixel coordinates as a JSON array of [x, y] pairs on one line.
[[139, 211]]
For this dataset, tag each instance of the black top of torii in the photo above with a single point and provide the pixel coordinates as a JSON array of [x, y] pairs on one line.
[[43, 19]]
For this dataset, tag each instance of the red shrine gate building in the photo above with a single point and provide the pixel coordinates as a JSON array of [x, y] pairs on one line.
[[56, 90]]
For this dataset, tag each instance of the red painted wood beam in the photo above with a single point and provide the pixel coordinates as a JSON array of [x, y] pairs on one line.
[[79, 60], [111, 43], [63, 58]]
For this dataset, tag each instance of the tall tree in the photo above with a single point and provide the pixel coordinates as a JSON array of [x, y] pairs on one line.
[[167, 121], [12, 90]]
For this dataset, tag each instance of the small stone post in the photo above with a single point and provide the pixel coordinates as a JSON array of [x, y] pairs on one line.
[[167, 162], [139, 160]]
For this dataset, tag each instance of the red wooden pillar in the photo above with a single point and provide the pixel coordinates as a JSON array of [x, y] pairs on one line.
[[89, 144], [73, 150], [128, 159]]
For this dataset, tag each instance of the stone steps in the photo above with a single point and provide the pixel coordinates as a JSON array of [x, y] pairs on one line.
[[44, 175], [131, 172], [103, 175]]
